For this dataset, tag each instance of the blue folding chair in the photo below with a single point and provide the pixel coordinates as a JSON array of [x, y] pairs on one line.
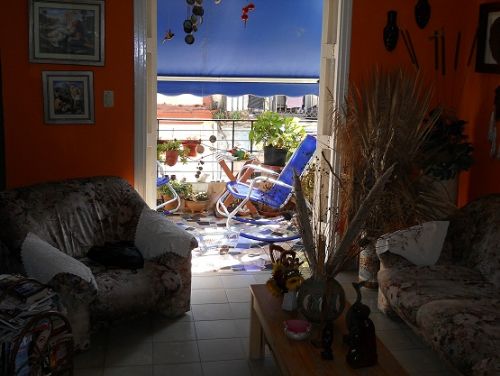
[[164, 180], [277, 196]]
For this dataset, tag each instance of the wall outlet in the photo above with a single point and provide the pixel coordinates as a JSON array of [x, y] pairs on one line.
[[109, 98]]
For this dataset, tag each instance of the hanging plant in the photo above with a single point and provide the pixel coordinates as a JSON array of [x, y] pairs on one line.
[[169, 151], [190, 146]]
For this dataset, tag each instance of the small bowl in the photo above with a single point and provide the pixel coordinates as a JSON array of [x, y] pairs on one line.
[[297, 329]]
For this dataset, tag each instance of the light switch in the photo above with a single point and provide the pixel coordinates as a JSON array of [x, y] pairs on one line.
[[109, 98]]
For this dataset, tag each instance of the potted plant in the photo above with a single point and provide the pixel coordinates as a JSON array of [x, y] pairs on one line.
[[196, 202], [384, 123], [169, 151], [279, 135], [190, 145], [182, 188]]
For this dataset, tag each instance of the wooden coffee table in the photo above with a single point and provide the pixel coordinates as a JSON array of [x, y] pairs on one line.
[[301, 358]]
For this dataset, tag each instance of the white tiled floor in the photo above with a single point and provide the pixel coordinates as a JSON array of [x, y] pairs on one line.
[[212, 339]]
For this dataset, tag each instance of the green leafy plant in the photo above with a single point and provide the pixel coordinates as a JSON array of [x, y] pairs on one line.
[[233, 115], [198, 196], [183, 189], [171, 145], [446, 149], [273, 129]]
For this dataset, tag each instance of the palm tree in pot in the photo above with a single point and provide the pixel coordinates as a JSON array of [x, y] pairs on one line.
[[385, 122]]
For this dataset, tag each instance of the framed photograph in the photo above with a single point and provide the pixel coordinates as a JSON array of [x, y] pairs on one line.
[[67, 32], [488, 39], [68, 97]]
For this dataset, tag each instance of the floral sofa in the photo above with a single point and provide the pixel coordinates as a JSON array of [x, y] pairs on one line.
[[74, 215], [454, 305]]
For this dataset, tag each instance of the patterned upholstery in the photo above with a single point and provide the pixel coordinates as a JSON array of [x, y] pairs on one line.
[[455, 304], [75, 215]]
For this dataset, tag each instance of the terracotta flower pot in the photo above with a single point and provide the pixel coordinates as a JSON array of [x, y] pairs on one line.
[[190, 146], [195, 206], [171, 157], [170, 206]]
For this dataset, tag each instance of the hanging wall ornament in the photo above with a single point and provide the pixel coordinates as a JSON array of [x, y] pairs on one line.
[[168, 36], [245, 10], [195, 18], [422, 13], [391, 31]]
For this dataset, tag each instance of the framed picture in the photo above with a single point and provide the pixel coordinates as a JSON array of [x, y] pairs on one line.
[[68, 97], [488, 39], [67, 32]]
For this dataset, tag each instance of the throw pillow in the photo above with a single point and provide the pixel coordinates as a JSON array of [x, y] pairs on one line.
[[43, 261], [421, 244]]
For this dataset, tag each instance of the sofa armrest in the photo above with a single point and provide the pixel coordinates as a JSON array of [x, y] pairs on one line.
[[390, 260], [156, 236]]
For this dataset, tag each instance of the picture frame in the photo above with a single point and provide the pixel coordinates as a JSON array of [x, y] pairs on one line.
[[67, 32], [68, 97], [488, 42]]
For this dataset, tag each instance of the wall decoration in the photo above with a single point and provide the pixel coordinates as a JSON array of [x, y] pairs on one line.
[[391, 31], [68, 97], [67, 32], [422, 13], [488, 43]]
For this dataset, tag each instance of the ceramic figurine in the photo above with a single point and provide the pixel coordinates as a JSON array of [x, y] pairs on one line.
[[361, 338], [391, 31], [422, 13]]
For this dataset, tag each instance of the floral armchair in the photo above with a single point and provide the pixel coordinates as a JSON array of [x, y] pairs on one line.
[[72, 216]]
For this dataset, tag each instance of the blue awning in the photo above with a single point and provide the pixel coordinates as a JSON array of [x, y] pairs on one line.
[[282, 39]]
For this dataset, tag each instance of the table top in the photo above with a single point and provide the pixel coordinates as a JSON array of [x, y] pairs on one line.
[[301, 356]]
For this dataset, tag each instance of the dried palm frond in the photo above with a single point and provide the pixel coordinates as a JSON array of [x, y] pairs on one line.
[[383, 122], [322, 255]]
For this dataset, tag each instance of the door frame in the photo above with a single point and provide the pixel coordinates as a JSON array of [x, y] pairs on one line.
[[334, 76]]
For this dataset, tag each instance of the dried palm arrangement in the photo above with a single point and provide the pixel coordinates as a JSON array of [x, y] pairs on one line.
[[385, 122], [324, 254]]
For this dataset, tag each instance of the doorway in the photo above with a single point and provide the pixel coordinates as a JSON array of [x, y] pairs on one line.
[[337, 15]]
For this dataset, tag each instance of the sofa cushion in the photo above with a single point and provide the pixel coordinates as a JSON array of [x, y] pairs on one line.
[[409, 288], [465, 330]]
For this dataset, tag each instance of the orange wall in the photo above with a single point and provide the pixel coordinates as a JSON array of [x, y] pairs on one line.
[[476, 104], [468, 93], [36, 152]]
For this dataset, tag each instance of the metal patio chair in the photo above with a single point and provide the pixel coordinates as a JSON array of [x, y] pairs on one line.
[[276, 197], [164, 180]]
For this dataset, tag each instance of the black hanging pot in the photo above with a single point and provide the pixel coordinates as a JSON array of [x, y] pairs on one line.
[[198, 11], [188, 26], [274, 156], [189, 39]]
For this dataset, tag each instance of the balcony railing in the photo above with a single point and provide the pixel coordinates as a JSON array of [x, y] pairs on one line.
[[229, 133]]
